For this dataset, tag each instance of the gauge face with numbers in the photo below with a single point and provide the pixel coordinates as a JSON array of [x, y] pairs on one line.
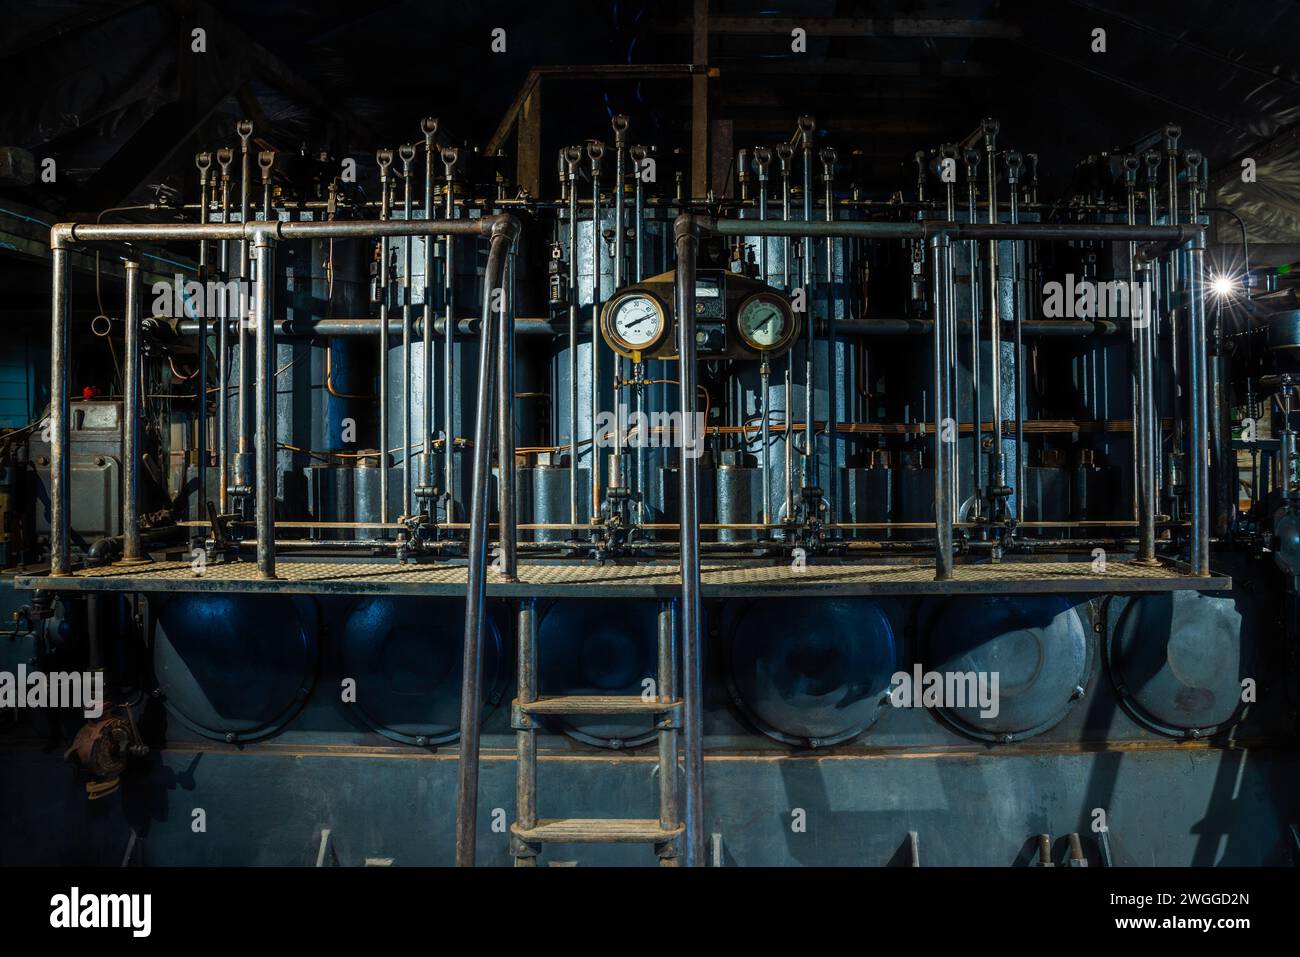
[[766, 322], [634, 322]]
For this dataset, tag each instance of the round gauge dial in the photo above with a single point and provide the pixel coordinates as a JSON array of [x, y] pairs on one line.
[[766, 322], [634, 322]]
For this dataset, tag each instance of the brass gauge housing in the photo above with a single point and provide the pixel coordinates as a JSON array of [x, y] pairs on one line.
[[634, 323], [766, 323]]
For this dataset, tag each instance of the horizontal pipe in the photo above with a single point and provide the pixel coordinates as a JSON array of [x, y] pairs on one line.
[[537, 326], [1112, 232], [63, 234]]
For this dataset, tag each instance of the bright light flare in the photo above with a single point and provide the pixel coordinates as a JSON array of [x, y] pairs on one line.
[[1225, 287]]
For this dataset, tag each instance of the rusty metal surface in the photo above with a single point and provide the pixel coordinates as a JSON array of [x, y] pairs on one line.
[[721, 579]]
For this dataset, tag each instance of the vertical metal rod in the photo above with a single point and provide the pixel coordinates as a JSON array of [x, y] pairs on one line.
[[263, 298], [243, 401], [573, 156], [1129, 165], [526, 738], [785, 154], [450, 156], [223, 347], [763, 157], [972, 158], [692, 687], [506, 421], [811, 474], [429, 126], [595, 151], [764, 378], [131, 550], [999, 476], [948, 152], [1147, 339], [621, 366], [638, 154], [1172, 135], [832, 379], [476, 592], [407, 153], [204, 161], [788, 463], [59, 412], [1198, 388], [1014, 162], [669, 815], [1141, 312], [944, 441], [620, 175], [385, 159]]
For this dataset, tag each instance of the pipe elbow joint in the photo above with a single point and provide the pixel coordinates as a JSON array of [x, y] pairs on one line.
[[502, 225], [62, 235]]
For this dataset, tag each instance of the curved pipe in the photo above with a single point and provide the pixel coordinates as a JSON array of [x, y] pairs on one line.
[[503, 234]]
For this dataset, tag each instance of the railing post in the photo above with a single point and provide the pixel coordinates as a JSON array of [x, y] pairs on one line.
[[59, 411], [506, 422], [1198, 381], [265, 434], [476, 557], [131, 548], [945, 429], [687, 241]]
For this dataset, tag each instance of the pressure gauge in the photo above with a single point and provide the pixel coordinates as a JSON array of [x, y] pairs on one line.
[[633, 323], [766, 322]]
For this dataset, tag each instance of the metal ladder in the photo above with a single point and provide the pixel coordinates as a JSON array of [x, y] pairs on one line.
[[528, 833]]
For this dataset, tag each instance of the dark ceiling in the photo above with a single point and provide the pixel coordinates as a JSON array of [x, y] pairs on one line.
[[113, 92]]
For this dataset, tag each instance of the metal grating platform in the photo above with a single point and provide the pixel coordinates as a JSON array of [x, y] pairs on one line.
[[720, 579]]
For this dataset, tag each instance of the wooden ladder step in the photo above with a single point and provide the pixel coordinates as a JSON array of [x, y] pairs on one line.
[[597, 704], [596, 831]]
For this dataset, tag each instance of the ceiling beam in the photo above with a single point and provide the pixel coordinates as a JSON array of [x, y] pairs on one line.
[[864, 27], [802, 66]]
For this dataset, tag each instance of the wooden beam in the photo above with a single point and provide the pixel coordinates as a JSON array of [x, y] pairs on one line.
[[700, 102], [598, 71], [724, 178], [865, 27], [528, 148]]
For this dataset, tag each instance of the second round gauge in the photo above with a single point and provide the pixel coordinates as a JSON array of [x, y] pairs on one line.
[[766, 322], [634, 323]]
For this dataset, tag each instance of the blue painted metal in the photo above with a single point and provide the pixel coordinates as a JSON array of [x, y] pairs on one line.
[[1178, 661], [604, 647], [1037, 647], [405, 660], [1176, 806], [811, 673], [234, 669]]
